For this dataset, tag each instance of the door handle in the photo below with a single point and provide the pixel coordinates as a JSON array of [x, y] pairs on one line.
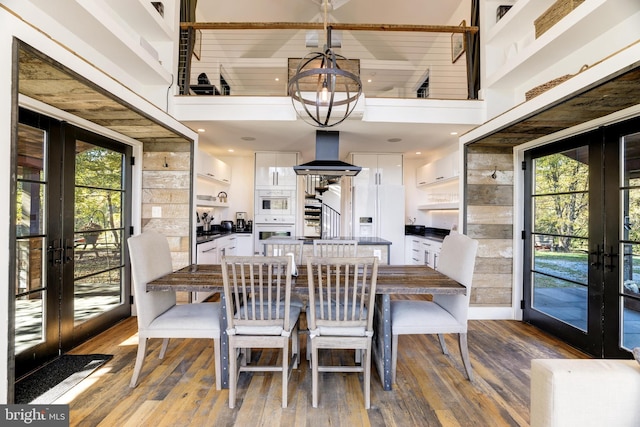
[[609, 257], [596, 257], [55, 251], [67, 254]]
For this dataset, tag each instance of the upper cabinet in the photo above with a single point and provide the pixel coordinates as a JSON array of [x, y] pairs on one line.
[[275, 170], [212, 168], [441, 170], [378, 169]]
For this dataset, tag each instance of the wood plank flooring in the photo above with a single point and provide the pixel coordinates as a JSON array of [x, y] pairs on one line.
[[431, 389]]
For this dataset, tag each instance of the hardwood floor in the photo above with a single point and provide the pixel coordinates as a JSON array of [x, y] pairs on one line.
[[431, 389]]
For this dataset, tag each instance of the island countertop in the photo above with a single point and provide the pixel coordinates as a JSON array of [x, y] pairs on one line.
[[360, 240]]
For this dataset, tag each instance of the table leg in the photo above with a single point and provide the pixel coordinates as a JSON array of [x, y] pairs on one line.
[[382, 339], [224, 343]]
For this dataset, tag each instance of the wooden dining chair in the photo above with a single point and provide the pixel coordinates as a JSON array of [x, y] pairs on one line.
[[157, 312], [282, 247], [445, 314], [335, 248], [340, 313], [257, 291]]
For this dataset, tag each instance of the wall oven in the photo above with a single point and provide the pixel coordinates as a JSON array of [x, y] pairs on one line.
[[275, 203], [262, 232]]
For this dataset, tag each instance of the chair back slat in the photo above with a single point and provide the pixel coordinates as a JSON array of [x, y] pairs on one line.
[[282, 247], [335, 248], [259, 288], [341, 292]]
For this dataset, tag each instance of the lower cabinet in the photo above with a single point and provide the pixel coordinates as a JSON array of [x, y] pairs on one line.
[[431, 252], [422, 251], [227, 245], [414, 254], [206, 253], [244, 244]]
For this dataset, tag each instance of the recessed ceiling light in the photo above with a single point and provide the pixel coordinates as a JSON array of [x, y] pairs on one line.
[[277, 79], [369, 81], [418, 152], [454, 133], [200, 130], [248, 138], [230, 150], [394, 139]]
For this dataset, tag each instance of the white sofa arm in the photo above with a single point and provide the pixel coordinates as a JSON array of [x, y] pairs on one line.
[[585, 392]]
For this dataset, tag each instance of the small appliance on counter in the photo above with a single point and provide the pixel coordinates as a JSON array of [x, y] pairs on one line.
[[241, 221], [226, 226]]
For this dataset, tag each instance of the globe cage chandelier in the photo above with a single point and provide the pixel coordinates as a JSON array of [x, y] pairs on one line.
[[334, 87]]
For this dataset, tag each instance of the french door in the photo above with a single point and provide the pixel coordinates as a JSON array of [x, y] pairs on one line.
[[72, 204], [582, 239]]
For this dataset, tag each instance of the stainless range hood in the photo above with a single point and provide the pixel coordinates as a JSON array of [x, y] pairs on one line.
[[327, 162]]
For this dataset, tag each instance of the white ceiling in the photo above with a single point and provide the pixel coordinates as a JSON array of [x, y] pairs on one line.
[[383, 55]]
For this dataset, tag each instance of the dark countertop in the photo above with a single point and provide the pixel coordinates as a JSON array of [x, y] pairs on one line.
[[209, 237], [427, 232], [361, 240]]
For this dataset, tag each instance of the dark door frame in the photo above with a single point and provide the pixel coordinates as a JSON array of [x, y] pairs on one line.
[[60, 329]]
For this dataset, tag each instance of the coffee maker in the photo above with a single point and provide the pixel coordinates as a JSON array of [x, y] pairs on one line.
[[241, 221]]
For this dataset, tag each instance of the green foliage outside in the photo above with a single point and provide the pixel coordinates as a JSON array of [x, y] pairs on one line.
[[561, 199], [98, 195]]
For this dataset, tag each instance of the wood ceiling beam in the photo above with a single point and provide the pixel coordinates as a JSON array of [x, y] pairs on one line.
[[320, 26]]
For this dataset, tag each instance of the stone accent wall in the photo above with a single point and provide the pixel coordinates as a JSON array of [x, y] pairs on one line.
[[489, 219], [168, 187]]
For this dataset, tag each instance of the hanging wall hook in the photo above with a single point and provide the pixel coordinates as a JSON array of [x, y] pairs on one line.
[[166, 165], [494, 175]]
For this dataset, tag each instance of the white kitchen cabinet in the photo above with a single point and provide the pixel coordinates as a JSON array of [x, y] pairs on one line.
[[212, 168], [414, 253], [431, 252], [378, 169], [441, 170], [426, 174], [227, 245], [207, 253], [244, 244], [275, 170]]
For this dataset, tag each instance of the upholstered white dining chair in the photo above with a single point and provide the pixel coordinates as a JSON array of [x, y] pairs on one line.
[[257, 291], [158, 314], [445, 314], [335, 248], [340, 314]]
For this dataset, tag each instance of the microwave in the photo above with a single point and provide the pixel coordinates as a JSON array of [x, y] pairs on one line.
[[276, 203]]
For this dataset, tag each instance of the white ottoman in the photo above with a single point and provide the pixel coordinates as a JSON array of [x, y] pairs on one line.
[[585, 392]]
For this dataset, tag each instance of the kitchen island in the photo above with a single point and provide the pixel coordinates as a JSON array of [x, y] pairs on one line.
[[367, 246]]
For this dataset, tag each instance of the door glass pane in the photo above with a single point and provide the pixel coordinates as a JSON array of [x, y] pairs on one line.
[[630, 243], [560, 236], [98, 230], [30, 310], [30, 285]]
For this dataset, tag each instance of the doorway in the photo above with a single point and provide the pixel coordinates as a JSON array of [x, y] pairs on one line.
[[72, 216], [582, 239]]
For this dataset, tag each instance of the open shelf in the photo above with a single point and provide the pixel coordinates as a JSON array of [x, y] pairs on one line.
[[439, 206]]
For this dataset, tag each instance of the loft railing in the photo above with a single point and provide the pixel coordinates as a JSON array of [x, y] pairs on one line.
[[395, 61]]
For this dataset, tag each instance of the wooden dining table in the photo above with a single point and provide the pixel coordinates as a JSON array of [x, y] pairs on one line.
[[392, 280]]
